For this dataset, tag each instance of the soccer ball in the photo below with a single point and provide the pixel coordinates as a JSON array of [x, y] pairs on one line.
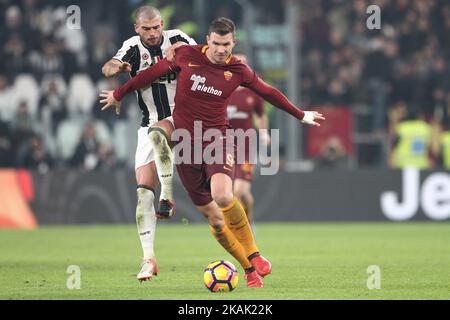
[[220, 276]]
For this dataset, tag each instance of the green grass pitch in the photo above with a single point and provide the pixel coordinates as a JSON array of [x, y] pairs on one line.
[[310, 261]]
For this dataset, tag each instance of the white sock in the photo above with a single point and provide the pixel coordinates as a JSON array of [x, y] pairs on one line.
[[163, 162], [146, 220]]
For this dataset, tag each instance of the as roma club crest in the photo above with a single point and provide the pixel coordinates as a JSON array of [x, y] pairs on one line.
[[227, 75]]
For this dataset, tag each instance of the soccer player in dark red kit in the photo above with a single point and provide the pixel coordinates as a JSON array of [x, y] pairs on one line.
[[207, 76], [246, 112]]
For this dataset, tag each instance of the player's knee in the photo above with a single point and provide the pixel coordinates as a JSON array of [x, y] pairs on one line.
[[223, 198], [145, 197], [157, 135]]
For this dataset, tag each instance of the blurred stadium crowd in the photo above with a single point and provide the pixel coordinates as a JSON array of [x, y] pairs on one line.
[[50, 75], [400, 72]]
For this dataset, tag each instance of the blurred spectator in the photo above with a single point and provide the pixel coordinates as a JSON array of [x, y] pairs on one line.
[[440, 84], [107, 160], [6, 146], [21, 129], [14, 37], [31, 13], [412, 143], [81, 96], [7, 99], [52, 107], [46, 60], [316, 28], [71, 42], [104, 49], [397, 113], [444, 154], [86, 153], [35, 156], [90, 154], [15, 25], [22, 121], [14, 55], [402, 84], [378, 73], [332, 155], [402, 61]]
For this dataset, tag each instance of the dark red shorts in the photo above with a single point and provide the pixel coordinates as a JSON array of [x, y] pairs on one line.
[[244, 171], [196, 178]]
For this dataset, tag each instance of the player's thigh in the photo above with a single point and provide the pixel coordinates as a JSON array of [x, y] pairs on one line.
[[221, 189], [147, 175], [194, 180], [220, 175], [144, 155], [213, 214]]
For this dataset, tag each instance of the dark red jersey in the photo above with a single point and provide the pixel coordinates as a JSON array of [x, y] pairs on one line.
[[242, 105], [204, 88]]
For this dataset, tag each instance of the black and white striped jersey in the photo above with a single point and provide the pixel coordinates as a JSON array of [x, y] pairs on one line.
[[156, 101]]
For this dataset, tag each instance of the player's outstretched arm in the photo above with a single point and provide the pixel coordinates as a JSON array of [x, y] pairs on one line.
[[144, 79], [279, 100]]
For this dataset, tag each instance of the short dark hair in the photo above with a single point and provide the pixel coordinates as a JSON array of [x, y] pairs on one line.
[[222, 26], [146, 12]]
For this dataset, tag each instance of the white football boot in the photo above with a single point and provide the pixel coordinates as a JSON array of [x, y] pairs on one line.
[[148, 270]]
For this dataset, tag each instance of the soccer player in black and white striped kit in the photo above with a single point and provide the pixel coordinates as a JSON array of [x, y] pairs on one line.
[[156, 103]]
